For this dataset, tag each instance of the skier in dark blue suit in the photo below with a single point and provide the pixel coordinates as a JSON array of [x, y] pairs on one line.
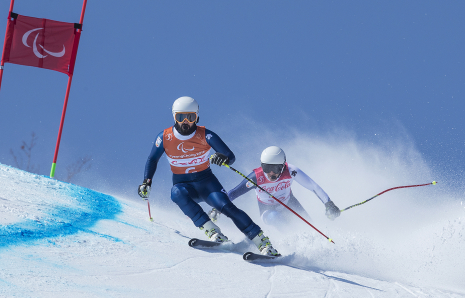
[[187, 147]]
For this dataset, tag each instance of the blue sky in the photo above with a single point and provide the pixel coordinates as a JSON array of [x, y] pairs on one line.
[[382, 71]]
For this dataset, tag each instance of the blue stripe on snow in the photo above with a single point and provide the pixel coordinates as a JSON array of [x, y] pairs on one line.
[[86, 207]]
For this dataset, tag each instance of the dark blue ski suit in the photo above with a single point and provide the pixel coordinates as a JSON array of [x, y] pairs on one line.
[[191, 188]]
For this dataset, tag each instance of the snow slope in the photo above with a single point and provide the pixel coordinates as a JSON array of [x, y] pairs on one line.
[[62, 240]]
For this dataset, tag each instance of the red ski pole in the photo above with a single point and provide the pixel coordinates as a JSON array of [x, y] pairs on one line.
[[432, 183], [148, 205], [278, 201]]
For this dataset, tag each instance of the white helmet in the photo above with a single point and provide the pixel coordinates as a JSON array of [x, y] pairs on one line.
[[273, 155], [185, 104]]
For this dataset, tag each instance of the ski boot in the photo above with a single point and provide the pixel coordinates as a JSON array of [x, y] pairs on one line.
[[264, 245], [213, 232], [214, 214]]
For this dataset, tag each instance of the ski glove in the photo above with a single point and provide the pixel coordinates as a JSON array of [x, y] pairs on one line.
[[144, 189], [214, 214], [219, 159], [332, 211]]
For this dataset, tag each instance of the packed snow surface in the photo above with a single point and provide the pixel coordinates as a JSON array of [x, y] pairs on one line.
[[62, 240]]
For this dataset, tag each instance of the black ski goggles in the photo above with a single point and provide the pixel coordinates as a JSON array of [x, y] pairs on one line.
[[268, 168], [190, 116]]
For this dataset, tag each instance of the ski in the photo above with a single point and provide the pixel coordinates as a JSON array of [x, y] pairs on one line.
[[194, 242], [251, 257], [248, 256]]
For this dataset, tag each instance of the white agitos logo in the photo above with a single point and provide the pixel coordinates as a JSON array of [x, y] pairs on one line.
[[34, 45], [184, 149]]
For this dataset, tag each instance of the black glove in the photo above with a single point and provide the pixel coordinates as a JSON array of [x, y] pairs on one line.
[[214, 214], [144, 189], [219, 159], [332, 211]]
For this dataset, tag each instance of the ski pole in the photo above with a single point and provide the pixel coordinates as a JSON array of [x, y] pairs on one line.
[[148, 205], [228, 166], [432, 183]]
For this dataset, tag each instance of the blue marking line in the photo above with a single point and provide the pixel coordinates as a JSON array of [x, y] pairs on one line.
[[86, 207]]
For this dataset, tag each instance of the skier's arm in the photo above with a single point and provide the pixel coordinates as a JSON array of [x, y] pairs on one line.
[[243, 187], [332, 211], [219, 146], [307, 182], [154, 157]]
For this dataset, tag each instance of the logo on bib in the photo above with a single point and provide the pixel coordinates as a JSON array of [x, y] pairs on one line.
[[184, 150]]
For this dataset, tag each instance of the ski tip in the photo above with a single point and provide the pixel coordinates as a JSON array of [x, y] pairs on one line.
[[192, 242], [247, 255]]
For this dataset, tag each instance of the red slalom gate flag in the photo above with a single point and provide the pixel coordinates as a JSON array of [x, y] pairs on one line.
[[41, 43]]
